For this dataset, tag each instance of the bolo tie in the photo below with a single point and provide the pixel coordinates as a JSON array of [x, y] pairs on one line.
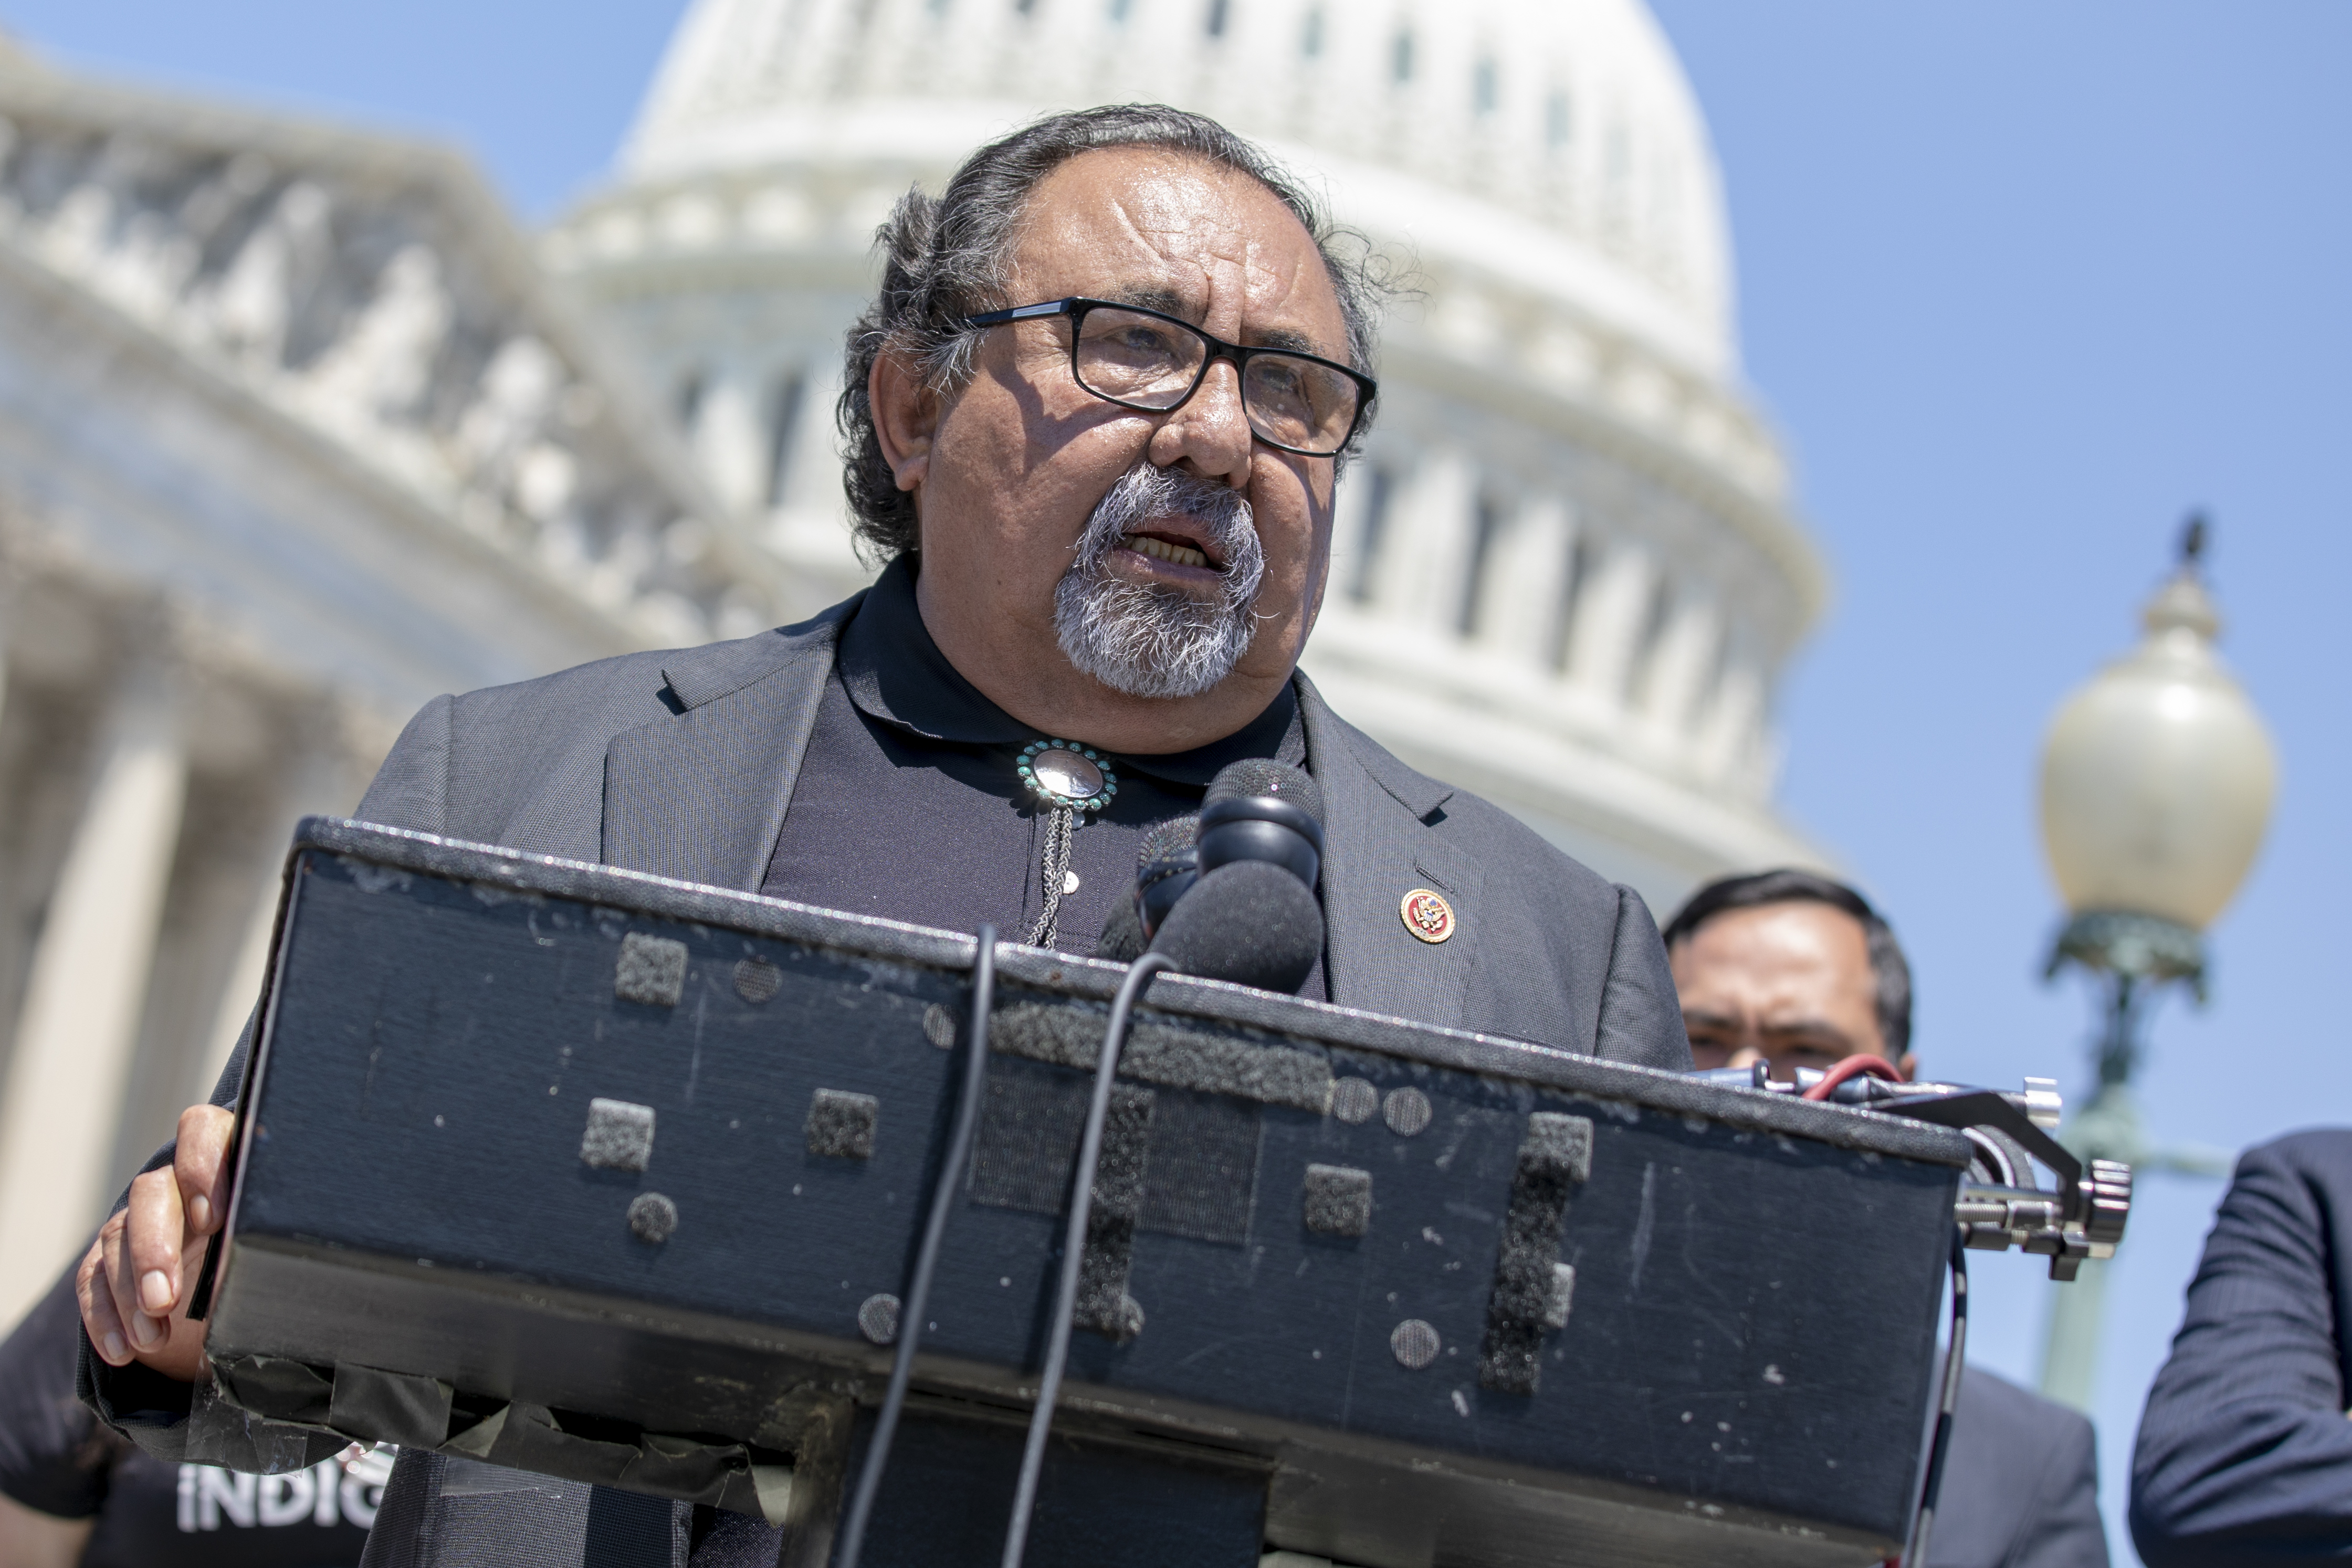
[[1066, 779]]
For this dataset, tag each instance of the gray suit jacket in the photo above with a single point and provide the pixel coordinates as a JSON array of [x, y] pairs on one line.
[[682, 763], [2021, 1486]]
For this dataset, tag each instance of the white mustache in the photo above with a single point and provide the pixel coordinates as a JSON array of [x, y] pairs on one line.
[[1144, 493], [1148, 640]]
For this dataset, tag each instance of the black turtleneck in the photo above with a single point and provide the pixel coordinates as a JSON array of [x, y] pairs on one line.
[[908, 805]]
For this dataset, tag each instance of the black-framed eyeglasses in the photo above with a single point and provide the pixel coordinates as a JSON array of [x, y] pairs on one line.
[[1146, 360]]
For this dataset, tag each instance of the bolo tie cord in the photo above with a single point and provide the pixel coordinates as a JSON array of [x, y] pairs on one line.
[[1054, 874]]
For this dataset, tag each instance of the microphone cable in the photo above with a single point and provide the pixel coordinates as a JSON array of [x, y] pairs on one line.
[[1074, 1246], [1915, 1551], [927, 1256], [1856, 1066]]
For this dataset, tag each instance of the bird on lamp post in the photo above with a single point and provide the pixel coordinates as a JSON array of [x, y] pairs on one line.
[[2157, 780]]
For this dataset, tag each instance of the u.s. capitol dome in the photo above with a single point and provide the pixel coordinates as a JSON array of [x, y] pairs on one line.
[[1566, 574]]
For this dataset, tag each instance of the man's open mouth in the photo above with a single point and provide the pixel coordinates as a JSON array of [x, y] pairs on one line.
[[1169, 550]]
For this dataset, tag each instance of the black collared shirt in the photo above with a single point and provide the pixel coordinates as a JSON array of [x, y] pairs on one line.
[[908, 805]]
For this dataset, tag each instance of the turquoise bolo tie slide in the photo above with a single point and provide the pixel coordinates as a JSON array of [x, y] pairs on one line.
[[1062, 773], [1066, 779]]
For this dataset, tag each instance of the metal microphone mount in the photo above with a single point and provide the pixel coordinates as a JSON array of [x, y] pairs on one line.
[[2002, 1204]]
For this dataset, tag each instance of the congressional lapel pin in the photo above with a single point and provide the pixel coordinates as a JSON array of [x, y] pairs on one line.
[[1427, 915]]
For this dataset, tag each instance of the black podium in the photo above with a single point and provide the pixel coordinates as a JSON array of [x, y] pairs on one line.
[[573, 1169]]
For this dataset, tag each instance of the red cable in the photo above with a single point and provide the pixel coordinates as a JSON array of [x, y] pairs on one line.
[[1853, 1066]]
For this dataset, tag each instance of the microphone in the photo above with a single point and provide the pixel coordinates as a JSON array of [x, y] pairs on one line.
[[1122, 940], [1259, 839], [1259, 809], [1253, 920], [1165, 868], [1249, 922]]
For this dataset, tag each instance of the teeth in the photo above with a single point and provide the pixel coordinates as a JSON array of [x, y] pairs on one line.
[[1161, 549]]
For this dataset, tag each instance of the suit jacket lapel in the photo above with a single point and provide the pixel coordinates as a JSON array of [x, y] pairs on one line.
[[700, 794], [1380, 846]]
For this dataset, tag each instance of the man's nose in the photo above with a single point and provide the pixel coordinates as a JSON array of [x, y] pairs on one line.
[[1211, 430]]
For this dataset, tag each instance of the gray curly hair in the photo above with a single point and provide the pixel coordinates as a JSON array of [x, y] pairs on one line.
[[948, 257]]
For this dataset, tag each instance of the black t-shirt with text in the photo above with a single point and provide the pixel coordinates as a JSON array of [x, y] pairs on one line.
[[58, 1458]]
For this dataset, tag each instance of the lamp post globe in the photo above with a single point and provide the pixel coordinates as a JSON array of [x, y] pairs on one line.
[[2157, 775]]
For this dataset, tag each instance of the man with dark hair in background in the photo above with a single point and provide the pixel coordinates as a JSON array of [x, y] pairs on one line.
[[1794, 970], [1791, 968]]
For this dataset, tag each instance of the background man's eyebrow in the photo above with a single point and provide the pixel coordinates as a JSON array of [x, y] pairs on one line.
[[1808, 1028]]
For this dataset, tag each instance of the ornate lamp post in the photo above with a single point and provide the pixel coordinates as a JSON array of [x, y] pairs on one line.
[[2157, 780]]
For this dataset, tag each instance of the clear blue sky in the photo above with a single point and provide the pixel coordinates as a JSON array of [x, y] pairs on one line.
[[2021, 283]]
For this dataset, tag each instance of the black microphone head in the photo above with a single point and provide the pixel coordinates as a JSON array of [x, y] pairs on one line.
[[1251, 922], [1123, 938], [1164, 870], [1257, 777], [1258, 809], [1167, 841]]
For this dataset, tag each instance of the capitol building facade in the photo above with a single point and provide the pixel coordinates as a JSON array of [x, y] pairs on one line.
[[297, 430]]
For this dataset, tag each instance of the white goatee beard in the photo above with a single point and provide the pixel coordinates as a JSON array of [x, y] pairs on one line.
[[1150, 642]]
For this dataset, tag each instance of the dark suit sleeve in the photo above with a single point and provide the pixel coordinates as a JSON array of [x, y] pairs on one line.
[[1641, 1016], [411, 791], [53, 1457], [2244, 1454]]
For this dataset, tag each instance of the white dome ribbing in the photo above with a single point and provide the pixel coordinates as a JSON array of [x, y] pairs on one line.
[[1556, 141]]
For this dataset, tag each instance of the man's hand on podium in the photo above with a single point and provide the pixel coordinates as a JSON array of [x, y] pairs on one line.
[[135, 1282]]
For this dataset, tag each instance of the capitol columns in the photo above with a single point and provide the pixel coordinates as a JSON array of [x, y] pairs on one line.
[[1425, 546], [11, 584], [730, 441], [323, 777], [1523, 591], [1726, 733], [1612, 611], [1687, 648], [84, 999]]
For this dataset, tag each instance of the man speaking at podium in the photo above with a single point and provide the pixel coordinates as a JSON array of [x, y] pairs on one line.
[[1095, 421]]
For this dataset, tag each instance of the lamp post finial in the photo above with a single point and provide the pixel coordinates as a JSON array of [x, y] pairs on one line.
[[2195, 533]]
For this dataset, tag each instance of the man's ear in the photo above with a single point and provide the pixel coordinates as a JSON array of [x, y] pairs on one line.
[[905, 417]]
